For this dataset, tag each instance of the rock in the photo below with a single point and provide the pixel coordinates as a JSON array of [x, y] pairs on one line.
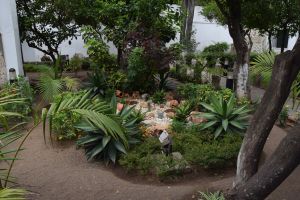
[[169, 96], [136, 95], [170, 115], [120, 106], [126, 95], [131, 102], [150, 115], [119, 93], [195, 118], [145, 97], [144, 104], [162, 106], [173, 103], [177, 156]]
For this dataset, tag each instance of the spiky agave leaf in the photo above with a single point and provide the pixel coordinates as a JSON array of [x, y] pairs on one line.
[[223, 117], [12, 194]]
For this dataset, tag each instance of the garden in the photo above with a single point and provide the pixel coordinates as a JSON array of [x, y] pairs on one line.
[[156, 108]]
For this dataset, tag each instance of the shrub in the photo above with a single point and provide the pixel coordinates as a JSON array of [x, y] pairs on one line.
[[202, 150], [223, 117], [159, 97], [196, 93], [211, 196], [75, 63], [20, 89], [218, 47], [199, 149], [283, 116], [139, 73], [107, 133], [182, 111]]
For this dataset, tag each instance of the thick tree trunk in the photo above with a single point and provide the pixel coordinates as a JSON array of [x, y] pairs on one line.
[[275, 170], [241, 48], [285, 70]]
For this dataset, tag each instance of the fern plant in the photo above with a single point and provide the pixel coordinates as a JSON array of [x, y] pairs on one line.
[[223, 117]]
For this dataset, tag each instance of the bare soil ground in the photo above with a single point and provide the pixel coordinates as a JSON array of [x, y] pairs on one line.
[[62, 172]]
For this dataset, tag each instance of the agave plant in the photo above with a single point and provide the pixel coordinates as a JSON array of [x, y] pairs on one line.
[[211, 196], [223, 117], [107, 132], [182, 111]]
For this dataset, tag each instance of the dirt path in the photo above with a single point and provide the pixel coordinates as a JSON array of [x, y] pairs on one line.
[[62, 173]]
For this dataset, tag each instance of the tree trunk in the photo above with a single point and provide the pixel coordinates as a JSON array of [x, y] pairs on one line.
[[184, 7], [275, 170], [270, 41], [285, 70], [189, 30], [284, 35], [241, 48], [120, 57]]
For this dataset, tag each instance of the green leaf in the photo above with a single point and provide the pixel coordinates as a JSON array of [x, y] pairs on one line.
[[225, 124], [208, 124]]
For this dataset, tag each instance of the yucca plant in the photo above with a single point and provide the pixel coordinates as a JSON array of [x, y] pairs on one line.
[[223, 117], [107, 132]]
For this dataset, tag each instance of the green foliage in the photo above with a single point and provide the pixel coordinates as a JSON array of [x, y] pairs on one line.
[[117, 80], [12, 194], [218, 47], [107, 132], [147, 158], [283, 116], [159, 97], [261, 68], [223, 117], [97, 49], [182, 111], [43, 26], [50, 85], [17, 97], [199, 149], [75, 63], [211, 196], [202, 150], [33, 67], [139, 75], [196, 93]]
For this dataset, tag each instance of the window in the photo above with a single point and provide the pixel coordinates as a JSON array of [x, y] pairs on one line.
[[279, 40]]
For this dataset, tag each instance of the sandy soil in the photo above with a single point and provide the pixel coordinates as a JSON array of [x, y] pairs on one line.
[[62, 172]]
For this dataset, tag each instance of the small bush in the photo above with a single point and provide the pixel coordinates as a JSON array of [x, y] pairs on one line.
[[159, 97]]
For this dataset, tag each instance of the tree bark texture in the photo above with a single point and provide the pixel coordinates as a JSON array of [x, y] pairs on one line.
[[237, 34], [285, 70], [282, 162]]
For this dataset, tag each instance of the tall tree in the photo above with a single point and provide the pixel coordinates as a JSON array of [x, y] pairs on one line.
[[44, 25], [257, 183]]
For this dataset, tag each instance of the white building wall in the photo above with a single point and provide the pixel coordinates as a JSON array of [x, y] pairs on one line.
[[206, 33], [10, 36]]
